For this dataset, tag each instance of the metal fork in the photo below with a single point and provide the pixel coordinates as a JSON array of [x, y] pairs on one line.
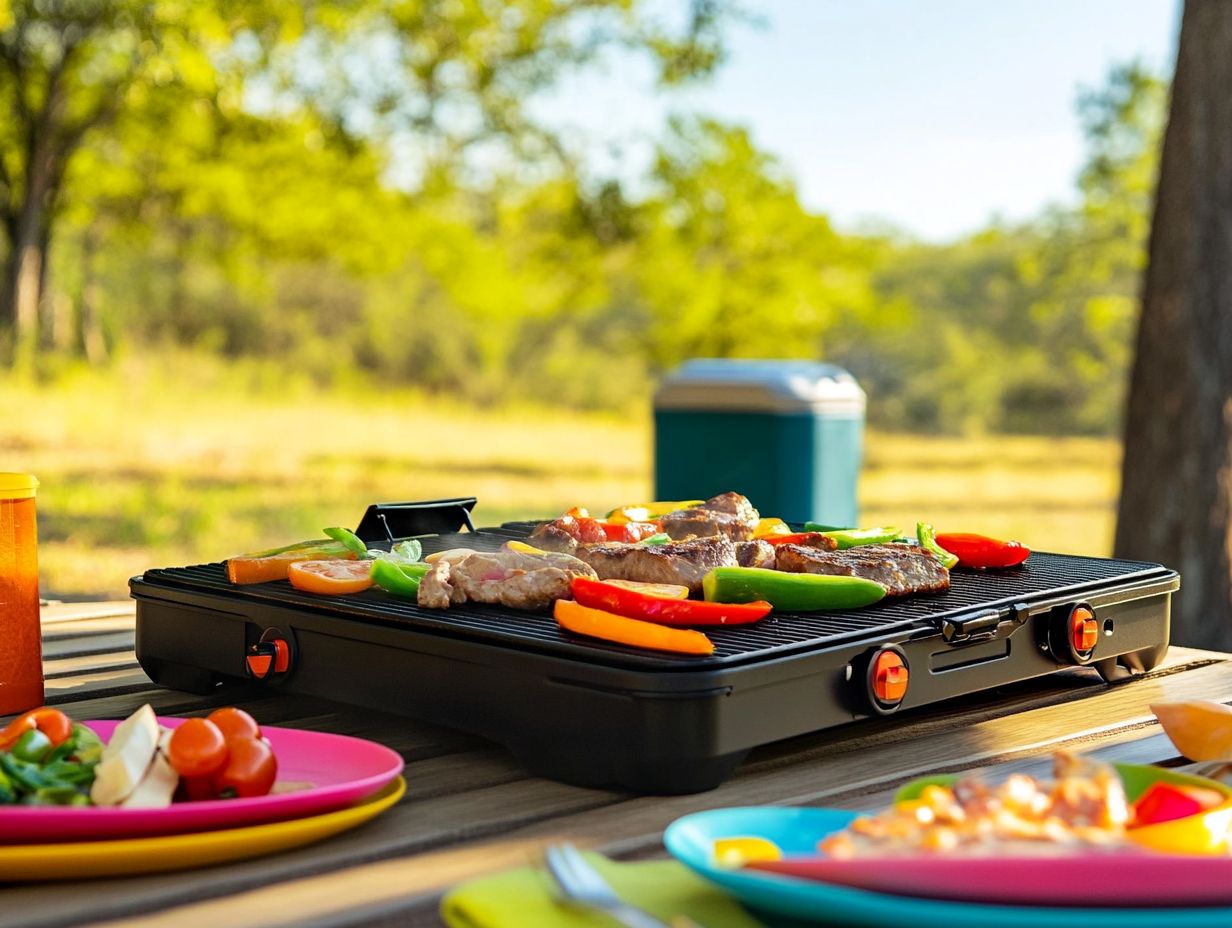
[[581, 884]]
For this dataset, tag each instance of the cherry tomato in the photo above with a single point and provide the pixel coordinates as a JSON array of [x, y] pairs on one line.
[[250, 771], [197, 749], [52, 722], [235, 723], [195, 789], [332, 577]]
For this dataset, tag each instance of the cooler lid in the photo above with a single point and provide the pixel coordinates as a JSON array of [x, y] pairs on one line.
[[745, 385]]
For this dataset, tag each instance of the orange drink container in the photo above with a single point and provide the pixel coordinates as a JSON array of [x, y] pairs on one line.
[[21, 651]]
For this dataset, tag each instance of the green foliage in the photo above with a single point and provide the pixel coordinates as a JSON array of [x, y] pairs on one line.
[[357, 190]]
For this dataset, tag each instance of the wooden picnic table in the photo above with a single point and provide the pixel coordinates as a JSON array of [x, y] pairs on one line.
[[469, 809]]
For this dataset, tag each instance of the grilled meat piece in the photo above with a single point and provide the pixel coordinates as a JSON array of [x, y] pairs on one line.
[[566, 533], [549, 536], [728, 514], [901, 569], [755, 553], [683, 562], [509, 578]]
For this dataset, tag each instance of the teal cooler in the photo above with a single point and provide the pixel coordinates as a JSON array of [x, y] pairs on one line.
[[786, 434]]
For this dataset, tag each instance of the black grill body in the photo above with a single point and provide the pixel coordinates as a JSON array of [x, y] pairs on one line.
[[606, 715]]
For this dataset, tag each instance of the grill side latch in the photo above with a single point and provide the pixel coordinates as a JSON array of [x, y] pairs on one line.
[[983, 626]]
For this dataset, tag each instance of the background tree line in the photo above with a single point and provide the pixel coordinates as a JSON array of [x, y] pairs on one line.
[[359, 188]]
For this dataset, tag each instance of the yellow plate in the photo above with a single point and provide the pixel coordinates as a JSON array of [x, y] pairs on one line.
[[84, 859]]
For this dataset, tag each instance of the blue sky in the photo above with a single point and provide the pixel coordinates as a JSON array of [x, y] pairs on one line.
[[932, 115]]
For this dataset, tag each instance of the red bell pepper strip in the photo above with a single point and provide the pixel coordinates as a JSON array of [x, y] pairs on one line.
[[52, 722], [1164, 802], [634, 605], [981, 551]]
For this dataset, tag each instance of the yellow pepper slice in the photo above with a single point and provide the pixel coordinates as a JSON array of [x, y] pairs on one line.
[[740, 850], [771, 526]]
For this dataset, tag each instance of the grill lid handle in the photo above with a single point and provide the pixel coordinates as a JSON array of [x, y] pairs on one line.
[[388, 522]]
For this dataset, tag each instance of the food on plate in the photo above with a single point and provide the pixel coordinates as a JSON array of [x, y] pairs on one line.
[[596, 623], [1200, 729], [854, 537], [981, 551], [728, 514], [197, 748], [250, 769], [506, 577], [928, 541], [47, 759], [156, 788], [598, 594], [126, 758], [333, 577], [274, 563], [1084, 807], [738, 850], [52, 723], [235, 723], [802, 592], [142, 766], [902, 569], [1167, 802]]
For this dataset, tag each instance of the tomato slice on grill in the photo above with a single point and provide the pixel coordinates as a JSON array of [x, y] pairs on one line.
[[331, 577]]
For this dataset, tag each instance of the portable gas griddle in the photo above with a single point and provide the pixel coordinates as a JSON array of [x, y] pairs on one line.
[[607, 715]]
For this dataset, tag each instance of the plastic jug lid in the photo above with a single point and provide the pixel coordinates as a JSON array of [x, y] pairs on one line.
[[17, 486], [761, 385]]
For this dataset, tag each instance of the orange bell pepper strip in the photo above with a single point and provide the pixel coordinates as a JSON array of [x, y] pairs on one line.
[[52, 722], [595, 623], [662, 611]]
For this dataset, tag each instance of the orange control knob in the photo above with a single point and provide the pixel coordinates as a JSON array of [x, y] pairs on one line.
[[282, 655], [1083, 630], [888, 678], [259, 665]]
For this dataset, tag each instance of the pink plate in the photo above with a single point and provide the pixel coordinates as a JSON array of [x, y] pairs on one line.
[[320, 772], [1133, 878]]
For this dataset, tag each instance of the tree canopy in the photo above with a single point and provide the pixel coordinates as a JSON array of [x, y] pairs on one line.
[[362, 186]]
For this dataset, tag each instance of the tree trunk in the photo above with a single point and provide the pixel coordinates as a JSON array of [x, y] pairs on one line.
[[1176, 495]]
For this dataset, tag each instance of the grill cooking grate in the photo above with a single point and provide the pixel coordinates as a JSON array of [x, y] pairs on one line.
[[781, 633]]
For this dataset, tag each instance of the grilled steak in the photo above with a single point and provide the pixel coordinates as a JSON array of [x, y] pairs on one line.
[[683, 562], [551, 537], [566, 533], [901, 569], [510, 578], [728, 514], [755, 553]]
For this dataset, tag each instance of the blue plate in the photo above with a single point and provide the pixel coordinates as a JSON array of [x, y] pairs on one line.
[[797, 831]]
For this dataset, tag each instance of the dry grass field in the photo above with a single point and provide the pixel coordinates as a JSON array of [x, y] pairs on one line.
[[186, 462]]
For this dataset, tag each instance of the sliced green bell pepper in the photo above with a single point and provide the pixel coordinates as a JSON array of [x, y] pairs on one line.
[[928, 541], [790, 592], [854, 537], [398, 579]]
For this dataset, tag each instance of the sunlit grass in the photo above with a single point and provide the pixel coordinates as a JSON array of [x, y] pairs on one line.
[[186, 461]]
